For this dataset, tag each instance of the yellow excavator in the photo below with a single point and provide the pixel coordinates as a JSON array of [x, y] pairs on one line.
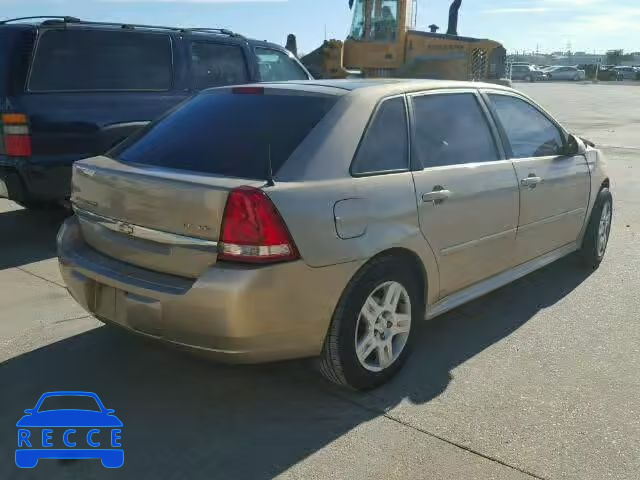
[[383, 43]]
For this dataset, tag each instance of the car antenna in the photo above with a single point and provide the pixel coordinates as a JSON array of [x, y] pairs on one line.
[[270, 182]]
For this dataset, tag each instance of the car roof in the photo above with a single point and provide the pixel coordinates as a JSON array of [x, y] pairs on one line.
[[382, 87]]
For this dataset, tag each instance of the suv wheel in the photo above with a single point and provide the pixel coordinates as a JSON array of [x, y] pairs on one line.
[[372, 328], [528, 78]]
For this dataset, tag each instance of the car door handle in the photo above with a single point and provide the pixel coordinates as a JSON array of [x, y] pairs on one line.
[[530, 181], [436, 196]]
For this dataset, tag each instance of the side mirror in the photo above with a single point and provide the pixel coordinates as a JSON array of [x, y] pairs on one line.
[[109, 411], [575, 146], [29, 411]]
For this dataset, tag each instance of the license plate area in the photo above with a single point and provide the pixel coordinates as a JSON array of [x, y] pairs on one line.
[[104, 301]]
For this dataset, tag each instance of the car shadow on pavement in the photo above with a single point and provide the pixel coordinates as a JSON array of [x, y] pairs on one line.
[[185, 417], [28, 236]]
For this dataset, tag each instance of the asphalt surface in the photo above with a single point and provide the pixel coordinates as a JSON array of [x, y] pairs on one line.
[[537, 380]]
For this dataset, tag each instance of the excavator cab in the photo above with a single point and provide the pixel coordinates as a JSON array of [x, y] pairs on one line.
[[375, 20], [383, 42], [375, 45]]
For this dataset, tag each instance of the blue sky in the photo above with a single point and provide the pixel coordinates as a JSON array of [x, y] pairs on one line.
[[519, 24]]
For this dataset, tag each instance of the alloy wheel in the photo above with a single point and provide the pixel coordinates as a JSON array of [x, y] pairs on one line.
[[383, 327], [604, 229]]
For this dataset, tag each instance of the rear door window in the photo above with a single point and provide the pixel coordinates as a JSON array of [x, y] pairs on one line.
[[99, 60], [228, 134], [217, 64], [276, 66], [451, 129]]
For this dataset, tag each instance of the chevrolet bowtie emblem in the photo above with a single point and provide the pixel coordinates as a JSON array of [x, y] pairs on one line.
[[125, 228]]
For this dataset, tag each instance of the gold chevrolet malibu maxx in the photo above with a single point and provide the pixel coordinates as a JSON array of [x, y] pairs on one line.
[[327, 218]]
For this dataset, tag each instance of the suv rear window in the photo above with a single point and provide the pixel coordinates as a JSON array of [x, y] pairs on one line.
[[95, 60], [228, 134]]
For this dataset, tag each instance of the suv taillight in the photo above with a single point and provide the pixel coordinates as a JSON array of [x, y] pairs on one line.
[[16, 135], [253, 231]]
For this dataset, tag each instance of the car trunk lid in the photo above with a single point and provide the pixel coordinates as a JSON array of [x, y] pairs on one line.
[[157, 219]]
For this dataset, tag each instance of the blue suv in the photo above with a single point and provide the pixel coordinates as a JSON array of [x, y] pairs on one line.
[[71, 89]]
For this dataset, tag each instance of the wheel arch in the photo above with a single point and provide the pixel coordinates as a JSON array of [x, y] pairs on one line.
[[412, 260]]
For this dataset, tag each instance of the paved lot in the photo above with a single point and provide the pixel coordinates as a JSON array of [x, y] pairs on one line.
[[537, 380]]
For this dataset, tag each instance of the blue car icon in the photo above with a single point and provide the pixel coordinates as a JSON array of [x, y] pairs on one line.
[[69, 425]]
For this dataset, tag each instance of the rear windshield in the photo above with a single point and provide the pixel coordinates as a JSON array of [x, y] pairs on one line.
[[228, 134], [101, 60]]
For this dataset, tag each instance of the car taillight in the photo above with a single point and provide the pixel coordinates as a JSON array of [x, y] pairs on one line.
[[253, 231], [16, 135]]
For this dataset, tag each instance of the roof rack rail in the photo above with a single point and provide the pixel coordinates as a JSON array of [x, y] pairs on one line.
[[66, 19], [223, 31], [129, 25]]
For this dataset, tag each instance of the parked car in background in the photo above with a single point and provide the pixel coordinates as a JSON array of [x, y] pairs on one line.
[[565, 73], [71, 89], [627, 73], [528, 73], [609, 73], [320, 219]]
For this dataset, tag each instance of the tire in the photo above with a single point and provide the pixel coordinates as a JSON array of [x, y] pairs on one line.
[[528, 78], [549, 76], [576, 78], [594, 245], [339, 361]]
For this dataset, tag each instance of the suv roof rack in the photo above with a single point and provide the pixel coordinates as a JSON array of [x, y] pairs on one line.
[[223, 31], [65, 19], [54, 19]]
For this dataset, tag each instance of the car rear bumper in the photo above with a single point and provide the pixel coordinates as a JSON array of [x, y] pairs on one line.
[[37, 178], [234, 313]]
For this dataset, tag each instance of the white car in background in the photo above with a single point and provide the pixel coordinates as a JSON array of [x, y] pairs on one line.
[[565, 73]]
